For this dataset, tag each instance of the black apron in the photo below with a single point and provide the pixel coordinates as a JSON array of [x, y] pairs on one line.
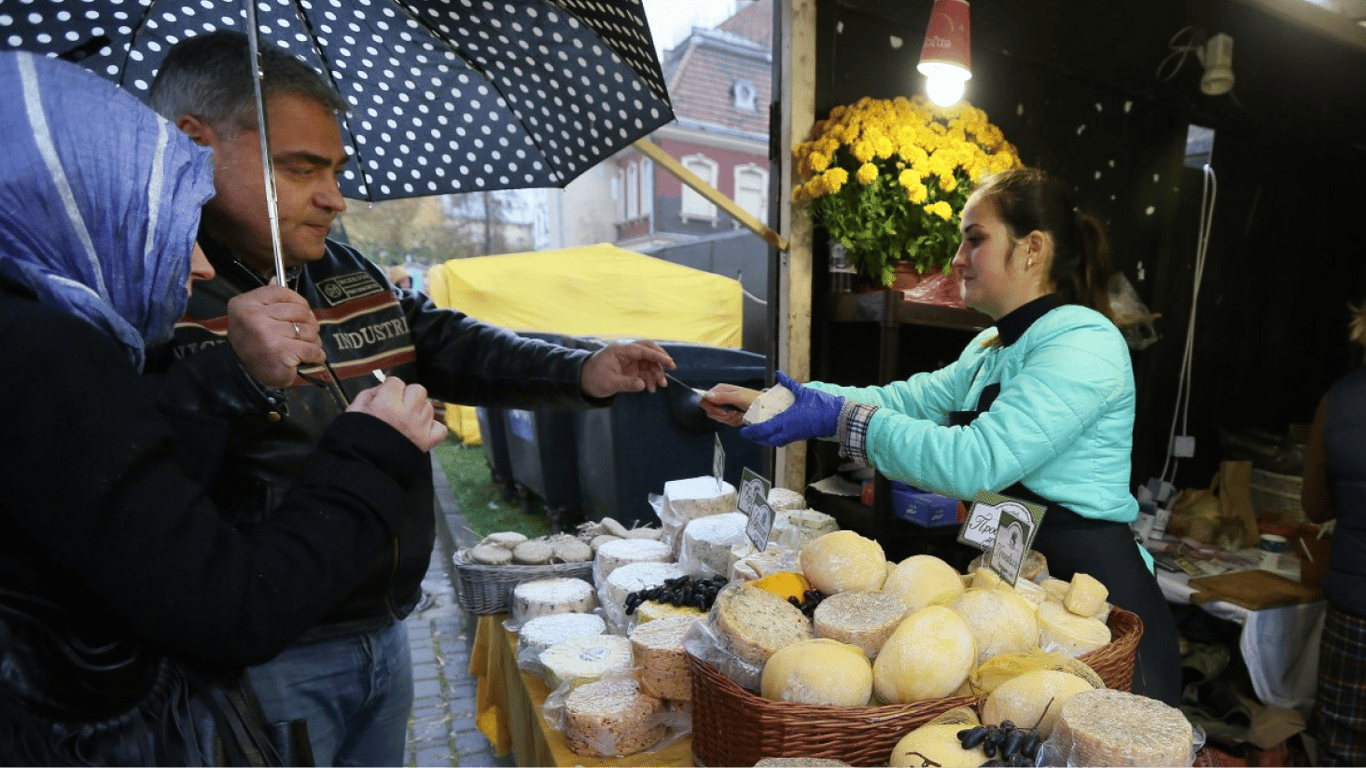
[[1105, 550]]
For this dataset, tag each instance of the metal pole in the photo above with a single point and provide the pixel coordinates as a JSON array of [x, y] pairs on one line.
[[267, 160]]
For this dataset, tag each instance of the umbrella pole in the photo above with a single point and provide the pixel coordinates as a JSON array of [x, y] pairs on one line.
[[267, 159]]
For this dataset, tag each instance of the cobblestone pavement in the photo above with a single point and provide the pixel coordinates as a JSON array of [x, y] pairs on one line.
[[442, 730]]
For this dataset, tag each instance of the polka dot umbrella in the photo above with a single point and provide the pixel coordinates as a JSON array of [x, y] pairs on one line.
[[446, 96]]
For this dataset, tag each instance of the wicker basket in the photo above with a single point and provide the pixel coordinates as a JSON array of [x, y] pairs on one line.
[[487, 589], [731, 726]]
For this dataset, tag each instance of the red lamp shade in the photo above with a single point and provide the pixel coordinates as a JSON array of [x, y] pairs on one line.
[[948, 38]]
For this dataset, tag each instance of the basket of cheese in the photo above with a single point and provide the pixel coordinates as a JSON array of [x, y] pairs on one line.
[[487, 573], [873, 650]]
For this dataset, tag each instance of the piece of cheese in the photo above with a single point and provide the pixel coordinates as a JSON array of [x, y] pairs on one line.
[[1108, 727], [784, 500], [585, 659], [918, 580], [614, 554], [544, 597], [753, 624], [818, 671], [928, 657], [768, 404], [844, 561], [863, 619], [629, 578], [935, 744], [1085, 596], [651, 610], [1001, 620], [1063, 631], [661, 661], [795, 528], [1056, 589], [1030, 591], [708, 544], [542, 632], [689, 499], [1034, 697], [757, 565], [612, 718]]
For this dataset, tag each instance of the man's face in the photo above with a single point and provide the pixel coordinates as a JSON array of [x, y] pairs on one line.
[[306, 144]]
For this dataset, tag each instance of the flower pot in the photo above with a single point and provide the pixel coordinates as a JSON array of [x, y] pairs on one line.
[[906, 277]]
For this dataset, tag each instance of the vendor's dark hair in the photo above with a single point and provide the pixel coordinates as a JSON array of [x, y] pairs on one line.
[[210, 76], [1028, 199]]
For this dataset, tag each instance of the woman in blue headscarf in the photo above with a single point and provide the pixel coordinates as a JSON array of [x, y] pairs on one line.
[[109, 552]]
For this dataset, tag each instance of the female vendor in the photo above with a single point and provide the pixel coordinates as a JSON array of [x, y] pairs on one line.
[[1039, 407]]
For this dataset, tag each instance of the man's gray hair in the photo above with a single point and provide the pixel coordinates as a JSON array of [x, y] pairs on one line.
[[210, 77]]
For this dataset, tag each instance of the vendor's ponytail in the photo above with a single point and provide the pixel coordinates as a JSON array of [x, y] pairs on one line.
[[1029, 199]]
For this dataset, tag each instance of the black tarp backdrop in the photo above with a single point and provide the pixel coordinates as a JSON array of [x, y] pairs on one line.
[[1075, 86]]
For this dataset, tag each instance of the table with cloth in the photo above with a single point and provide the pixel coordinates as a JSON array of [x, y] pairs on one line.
[[509, 709]]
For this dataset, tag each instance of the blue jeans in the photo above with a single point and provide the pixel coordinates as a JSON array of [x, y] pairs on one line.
[[355, 691]]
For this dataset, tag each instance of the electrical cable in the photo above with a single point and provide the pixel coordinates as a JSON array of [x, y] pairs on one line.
[[1181, 411], [1181, 50]]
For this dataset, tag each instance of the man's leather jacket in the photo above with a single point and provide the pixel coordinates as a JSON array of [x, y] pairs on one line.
[[366, 325]]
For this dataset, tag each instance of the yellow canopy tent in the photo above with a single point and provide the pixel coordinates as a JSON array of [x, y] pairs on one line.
[[596, 290]]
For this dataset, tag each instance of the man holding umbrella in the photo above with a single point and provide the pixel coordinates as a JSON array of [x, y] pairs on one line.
[[350, 677]]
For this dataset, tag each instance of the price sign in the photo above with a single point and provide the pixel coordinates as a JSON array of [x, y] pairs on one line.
[[718, 463], [987, 514], [1008, 551], [754, 503]]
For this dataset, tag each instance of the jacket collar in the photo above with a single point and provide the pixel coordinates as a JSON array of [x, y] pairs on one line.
[[1013, 326]]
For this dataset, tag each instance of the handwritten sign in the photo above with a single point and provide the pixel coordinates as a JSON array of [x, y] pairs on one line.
[[718, 463], [1007, 553], [984, 519], [753, 502]]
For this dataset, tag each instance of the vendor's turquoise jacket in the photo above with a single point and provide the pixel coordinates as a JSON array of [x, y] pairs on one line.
[[1062, 423]]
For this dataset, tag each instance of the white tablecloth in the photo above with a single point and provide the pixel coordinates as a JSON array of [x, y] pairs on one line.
[[1279, 645]]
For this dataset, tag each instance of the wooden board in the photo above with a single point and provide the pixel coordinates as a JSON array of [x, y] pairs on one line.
[[1252, 589]]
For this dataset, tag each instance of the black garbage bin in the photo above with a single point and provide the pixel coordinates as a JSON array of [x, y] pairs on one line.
[[629, 450], [493, 434], [542, 456]]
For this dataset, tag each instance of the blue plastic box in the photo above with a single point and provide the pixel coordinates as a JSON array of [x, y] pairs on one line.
[[927, 509]]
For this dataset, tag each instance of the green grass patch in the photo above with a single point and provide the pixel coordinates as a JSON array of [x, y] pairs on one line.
[[479, 498]]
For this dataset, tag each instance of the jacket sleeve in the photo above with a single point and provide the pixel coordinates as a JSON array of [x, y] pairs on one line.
[[100, 508], [462, 360], [1067, 381], [928, 396]]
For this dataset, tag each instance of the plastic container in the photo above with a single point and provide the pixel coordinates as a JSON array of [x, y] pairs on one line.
[[493, 430], [542, 457], [629, 450]]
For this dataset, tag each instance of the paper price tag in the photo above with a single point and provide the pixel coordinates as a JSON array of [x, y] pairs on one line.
[[991, 516], [753, 503], [718, 463]]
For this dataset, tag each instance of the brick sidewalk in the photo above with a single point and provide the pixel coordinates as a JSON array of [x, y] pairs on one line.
[[442, 732]]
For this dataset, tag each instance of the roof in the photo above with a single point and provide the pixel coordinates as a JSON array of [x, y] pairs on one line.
[[754, 22], [704, 72]]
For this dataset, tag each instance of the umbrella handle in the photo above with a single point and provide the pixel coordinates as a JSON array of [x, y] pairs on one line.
[[267, 161]]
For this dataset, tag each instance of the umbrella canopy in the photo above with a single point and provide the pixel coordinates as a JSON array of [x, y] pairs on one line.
[[446, 96]]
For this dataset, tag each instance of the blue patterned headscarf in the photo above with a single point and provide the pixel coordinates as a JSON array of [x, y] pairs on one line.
[[99, 200]]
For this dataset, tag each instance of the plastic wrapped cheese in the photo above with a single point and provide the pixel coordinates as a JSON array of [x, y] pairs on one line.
[[540, 633], [612, 718], [627, 579], [1108, 727], [614, 554], [928, 657], [544, 597], [709, 543], [794, 528], [785, 499], [863, 619], [661, 662], [1063, 631], [752, 624], [585, 659], [689, 499]]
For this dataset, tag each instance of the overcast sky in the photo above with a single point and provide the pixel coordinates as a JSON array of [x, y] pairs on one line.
[[672, 20]]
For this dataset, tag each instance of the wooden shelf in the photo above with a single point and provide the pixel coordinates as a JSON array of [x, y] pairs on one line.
[[886, 305]]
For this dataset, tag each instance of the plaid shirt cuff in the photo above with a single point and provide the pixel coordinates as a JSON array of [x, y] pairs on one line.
[[853, 431]]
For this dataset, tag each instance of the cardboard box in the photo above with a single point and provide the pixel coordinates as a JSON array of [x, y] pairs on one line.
[[927, 509]]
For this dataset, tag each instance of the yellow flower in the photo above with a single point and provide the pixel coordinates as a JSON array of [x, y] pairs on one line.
[[866, 173], [834, 179], [941, 209], [818, 162]]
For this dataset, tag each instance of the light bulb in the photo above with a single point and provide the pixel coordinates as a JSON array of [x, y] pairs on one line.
[[944, 83]]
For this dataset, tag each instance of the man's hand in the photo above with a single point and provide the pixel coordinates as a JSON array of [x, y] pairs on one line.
[[728, 403], [405, 408], [272, 331], [625, 367], [814, 414]]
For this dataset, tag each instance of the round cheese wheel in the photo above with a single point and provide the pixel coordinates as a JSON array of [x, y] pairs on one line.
[[1034, 697], [928, 657], [864, 619], [1063, 631], [1107, 727], [585, 659], [844, 561], [818, 671], [1001, 621], [612, 718], [661, 661], [919, 579], [935, 744]]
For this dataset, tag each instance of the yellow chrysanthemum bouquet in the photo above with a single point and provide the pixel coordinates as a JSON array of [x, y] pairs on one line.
[[887, 178]]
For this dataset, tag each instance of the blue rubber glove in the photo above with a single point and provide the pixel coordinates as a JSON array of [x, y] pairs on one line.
[[814, 414]]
